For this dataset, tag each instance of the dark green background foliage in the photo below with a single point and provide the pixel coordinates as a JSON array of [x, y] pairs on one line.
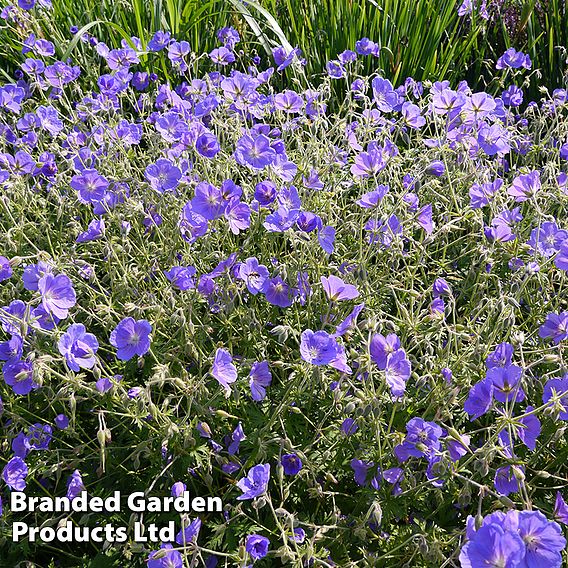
[[425, 39]]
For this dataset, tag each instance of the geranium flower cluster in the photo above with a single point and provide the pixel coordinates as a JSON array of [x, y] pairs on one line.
[[344, 314]]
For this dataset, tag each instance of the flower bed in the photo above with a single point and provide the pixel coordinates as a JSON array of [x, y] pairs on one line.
[[344, 317]]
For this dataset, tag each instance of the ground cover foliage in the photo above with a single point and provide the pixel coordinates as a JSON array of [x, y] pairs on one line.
[[344, 314]]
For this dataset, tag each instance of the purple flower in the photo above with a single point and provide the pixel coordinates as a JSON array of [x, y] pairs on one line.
[[373, 198], [57, 294], [512, 96], [411, 116], [255, 483], [437, 307], [525, 186], [189, 533], [33, 273], [61, 421], [134, 392], [178, 488], [561, 260], [543, 538], [335, 69], [436, 169], [513, 59], [94, 231], [299, 535], [192, 225], [255, 275], [18, 374], [222, 56], [506, 481], [21, 445], [237, 437], [365, 46], [481, 195], [321, 348], [458, 448], [283, 58], [105, 384], [555, 327], [336, 289], [159, 40], [118, 59], [170, 126], [349, 322], [326, 239], [557, 389], [278, 293], [501, 356], [40, 319], [208, 201], [11, 97], [265, 193], [237, 214], [260, 378], [78, 347], [49, 120], [441, 288], [26, 4], [424, 219], [75, 485], [223, 369], [479, 399], [349, 427], [506, 383], [493, 139], [385, 97], [360, 469], [177, 52], [368, 163], [5, 269], [547, 240], [560, 509], [382, 347], [529, 430], [257, 546], [384, 232], [207, 145], [181, 277], [291, 463], [397, 372], [90, 185], [394, 476], [12, 317], [492, 546], [131, 337], [281, 220], [167, 557], [163, 175], [447, 374], [446, 101], [288, 101], [255, 151], [14, 474], [13, 348], [308, 221], [422, 440]]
